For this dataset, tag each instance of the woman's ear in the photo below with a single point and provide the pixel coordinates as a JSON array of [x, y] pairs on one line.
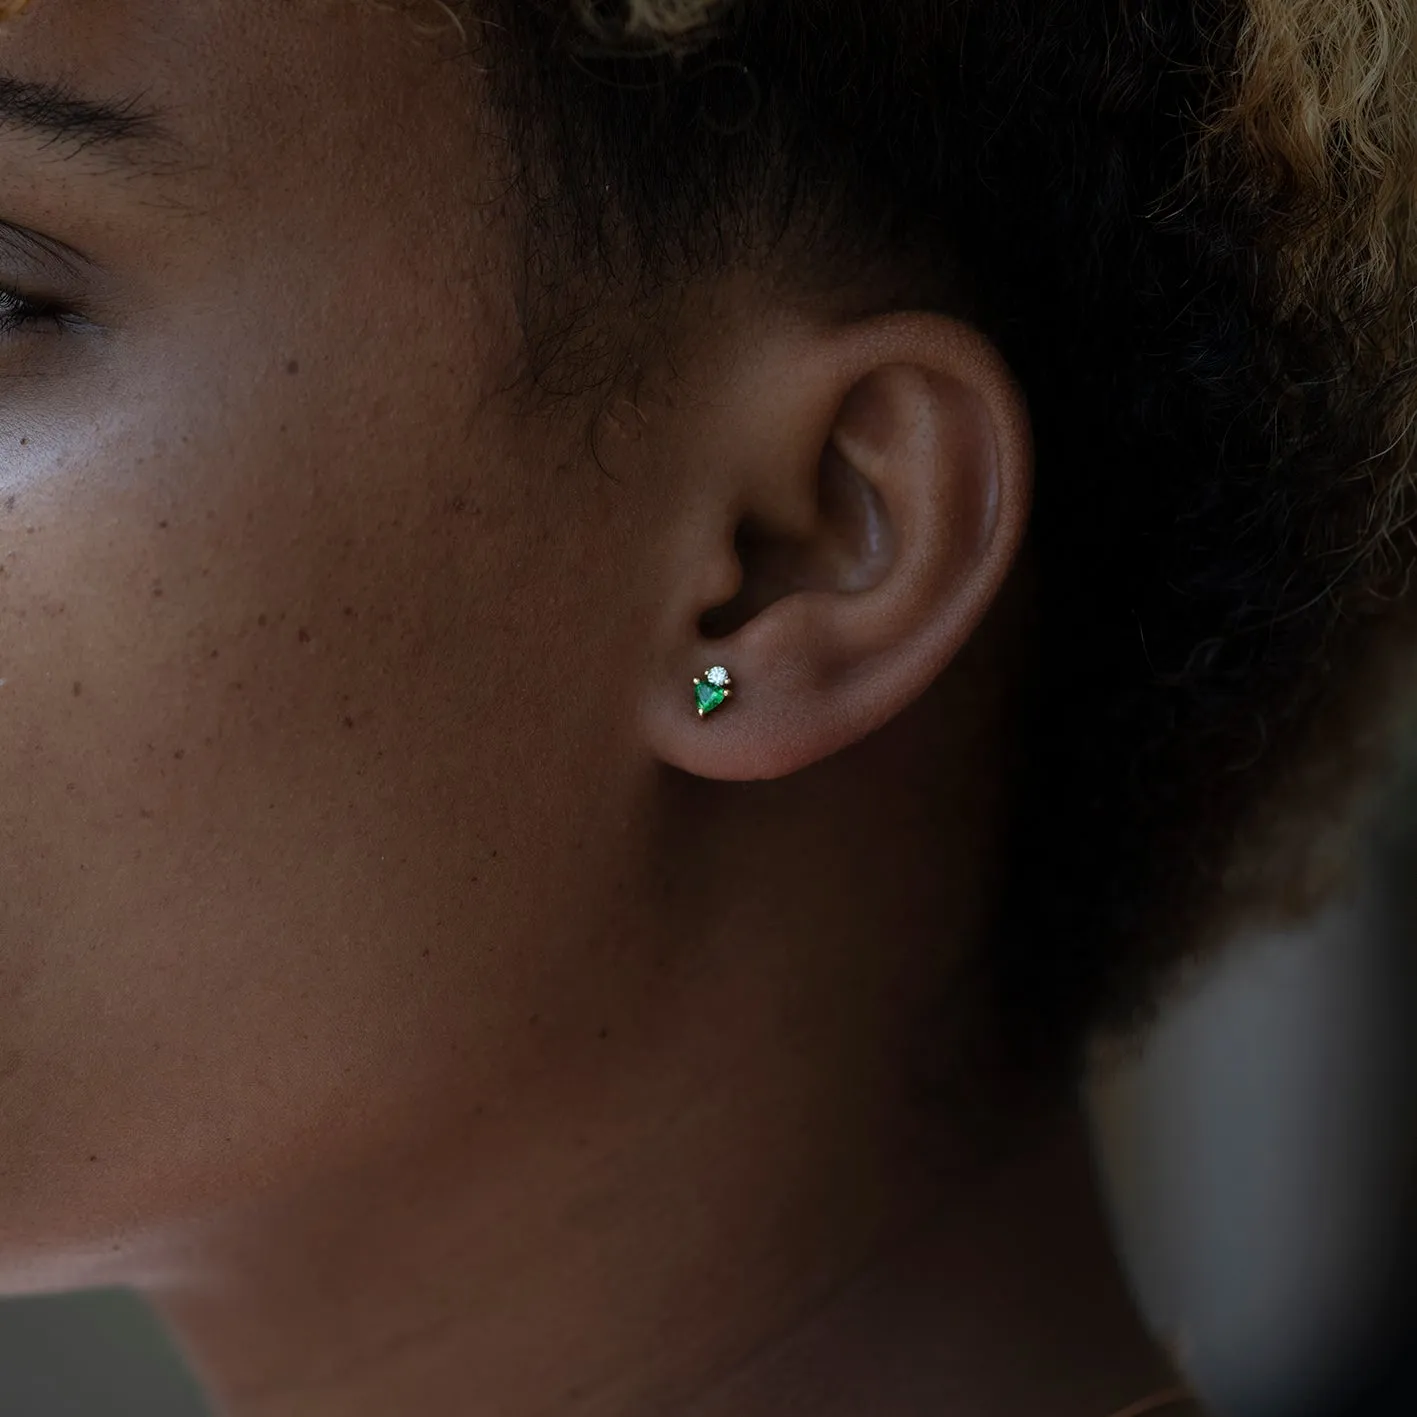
[[860, 494]]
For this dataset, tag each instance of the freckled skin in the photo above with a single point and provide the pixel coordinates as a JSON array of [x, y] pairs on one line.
[[262, 562]]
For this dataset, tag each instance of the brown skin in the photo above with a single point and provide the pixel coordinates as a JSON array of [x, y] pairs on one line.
[[399, 984]]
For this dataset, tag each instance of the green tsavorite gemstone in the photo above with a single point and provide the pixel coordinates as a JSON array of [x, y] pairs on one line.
[[708, 697]]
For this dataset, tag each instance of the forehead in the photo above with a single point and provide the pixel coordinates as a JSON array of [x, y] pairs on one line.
[[231, 83], [113, 48]]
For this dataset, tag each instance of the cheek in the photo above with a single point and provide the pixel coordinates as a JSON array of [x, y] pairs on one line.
[[271, 727]]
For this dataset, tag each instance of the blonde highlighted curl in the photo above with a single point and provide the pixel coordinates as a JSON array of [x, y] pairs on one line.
[[1323, 125]]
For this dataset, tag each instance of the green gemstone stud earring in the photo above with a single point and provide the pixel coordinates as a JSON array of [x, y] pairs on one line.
[[712, 689]]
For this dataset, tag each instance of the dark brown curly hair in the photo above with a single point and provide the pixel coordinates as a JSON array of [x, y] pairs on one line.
[[1188, 225]]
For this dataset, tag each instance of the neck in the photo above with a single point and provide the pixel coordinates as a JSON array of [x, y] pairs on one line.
[[1005, 1298], [663, 1294]]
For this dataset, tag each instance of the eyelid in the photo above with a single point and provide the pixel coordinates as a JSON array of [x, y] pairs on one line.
[[35, 245], [41, 266]]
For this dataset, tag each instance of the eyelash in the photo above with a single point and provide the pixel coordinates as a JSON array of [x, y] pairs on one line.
[[19, 314]]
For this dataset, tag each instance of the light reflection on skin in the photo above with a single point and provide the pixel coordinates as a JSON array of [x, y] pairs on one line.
[[12, 9]]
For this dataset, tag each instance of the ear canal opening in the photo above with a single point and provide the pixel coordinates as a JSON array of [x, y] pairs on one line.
[[751, 544]]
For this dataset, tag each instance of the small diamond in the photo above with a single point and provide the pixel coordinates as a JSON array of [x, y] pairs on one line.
[[718, 676]]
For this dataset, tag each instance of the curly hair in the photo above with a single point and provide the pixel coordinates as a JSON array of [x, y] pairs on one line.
[[1188, 225]]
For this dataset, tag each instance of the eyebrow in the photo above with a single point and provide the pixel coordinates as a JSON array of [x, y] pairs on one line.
[[56, 113]]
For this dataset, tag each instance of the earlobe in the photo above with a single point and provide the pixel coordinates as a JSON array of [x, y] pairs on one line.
[[880, 488]]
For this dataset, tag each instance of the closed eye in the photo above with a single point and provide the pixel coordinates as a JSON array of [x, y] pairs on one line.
[[20, 315]]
